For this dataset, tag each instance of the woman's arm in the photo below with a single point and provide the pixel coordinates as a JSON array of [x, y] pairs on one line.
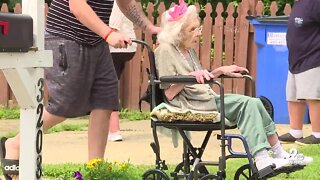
[[173, 90], [233, 71]]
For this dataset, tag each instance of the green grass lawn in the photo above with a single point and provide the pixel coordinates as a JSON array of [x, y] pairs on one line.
[[310, 172], [124, 114], [65, 171]]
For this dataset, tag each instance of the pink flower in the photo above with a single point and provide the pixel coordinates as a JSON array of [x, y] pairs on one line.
[[178, 11]]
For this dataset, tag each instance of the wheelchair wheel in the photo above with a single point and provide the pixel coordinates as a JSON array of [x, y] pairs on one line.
[[155, 174], [244, 172], [202, 171], [268, 105]]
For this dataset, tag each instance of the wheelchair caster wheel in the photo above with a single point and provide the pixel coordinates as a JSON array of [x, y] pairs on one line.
[[155, 174], [179, 171]]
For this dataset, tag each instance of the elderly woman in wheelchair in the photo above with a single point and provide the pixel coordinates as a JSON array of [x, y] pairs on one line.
[[175, 56]]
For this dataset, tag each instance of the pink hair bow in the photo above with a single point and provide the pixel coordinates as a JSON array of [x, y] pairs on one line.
[[178, 11]]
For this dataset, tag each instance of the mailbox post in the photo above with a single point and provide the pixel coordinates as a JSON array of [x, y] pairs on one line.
[[24, 73]]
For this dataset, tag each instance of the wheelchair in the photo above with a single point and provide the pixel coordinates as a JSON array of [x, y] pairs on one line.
[[192, 166]]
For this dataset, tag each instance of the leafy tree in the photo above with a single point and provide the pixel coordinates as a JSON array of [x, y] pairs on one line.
[[12, 3], [3, 1], [267, 3]]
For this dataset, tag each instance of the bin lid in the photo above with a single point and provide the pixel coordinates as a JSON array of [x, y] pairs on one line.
[[268, 19]]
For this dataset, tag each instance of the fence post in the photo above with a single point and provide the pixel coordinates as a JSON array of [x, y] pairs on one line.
[[252, 56], [229, 32], [205, 49], [242, 51]]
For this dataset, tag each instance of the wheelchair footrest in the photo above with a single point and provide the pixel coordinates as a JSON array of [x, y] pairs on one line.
[[276, 172], [266, 171]]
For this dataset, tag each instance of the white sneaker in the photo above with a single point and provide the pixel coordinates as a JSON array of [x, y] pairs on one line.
[[296, 158], [278, 162], [116, 136]]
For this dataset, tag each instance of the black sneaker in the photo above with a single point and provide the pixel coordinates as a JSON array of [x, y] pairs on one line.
[[308, 140], [288, 138]]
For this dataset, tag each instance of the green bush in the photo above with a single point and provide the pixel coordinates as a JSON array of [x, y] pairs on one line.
[[135, 172], [68, 127], [103, 170], [133, 115], [14, 113], [267, 3], [9, 113]]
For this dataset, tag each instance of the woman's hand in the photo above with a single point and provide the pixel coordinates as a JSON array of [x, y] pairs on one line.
[[201, 75], [233, 71]]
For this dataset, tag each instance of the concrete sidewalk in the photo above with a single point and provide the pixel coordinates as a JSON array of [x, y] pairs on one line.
[[71, 147]]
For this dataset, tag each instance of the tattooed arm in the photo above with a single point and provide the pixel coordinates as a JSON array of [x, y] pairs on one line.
[[133, 11]]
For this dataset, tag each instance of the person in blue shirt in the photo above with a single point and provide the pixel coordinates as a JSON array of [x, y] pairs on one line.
[[303, 87]]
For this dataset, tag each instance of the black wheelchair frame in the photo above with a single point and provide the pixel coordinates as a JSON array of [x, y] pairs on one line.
[[192, 155]]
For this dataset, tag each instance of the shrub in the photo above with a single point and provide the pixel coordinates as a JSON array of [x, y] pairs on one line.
[[103, 170]]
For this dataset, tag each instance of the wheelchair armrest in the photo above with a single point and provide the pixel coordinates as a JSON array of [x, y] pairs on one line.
[[244, 73], [246, 76], [189, 79], [184, 79]]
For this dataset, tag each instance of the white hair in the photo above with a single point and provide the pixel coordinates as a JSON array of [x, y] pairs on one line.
[[171, 32]]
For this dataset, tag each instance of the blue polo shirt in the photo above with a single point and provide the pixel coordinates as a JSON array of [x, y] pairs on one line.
[[303, 36]]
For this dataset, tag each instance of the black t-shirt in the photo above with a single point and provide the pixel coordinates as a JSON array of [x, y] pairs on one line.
[[303, 36], [61, 22]]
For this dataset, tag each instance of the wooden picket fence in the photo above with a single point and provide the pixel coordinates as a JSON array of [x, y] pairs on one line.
[[227, 39]]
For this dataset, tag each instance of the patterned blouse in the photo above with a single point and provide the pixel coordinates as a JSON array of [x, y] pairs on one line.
[[170, 62]]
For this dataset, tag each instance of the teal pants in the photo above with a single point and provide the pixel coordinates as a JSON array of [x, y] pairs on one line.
[[251, 118]]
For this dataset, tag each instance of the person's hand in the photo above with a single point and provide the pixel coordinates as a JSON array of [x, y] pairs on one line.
[[201, 75], [154, 29], [118, 40], [233, 71]]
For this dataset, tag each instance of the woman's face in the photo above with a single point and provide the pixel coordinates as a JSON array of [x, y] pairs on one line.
[[191, 33]]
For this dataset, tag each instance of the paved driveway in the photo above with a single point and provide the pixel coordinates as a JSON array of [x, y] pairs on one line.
[[64, 147]]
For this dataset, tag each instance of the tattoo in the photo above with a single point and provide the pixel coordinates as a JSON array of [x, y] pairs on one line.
[[136, 16]]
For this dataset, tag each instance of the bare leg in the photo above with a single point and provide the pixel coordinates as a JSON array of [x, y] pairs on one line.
[[98, 133], [314, 112], [296, 114], [273, 139], [278, 151], [13, 144], [114, 122]]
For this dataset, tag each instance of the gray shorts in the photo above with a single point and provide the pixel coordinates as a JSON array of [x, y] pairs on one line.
[[82, 78], [305, 85]]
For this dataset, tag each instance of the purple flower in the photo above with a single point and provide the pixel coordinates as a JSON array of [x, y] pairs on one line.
[[77, 175]]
